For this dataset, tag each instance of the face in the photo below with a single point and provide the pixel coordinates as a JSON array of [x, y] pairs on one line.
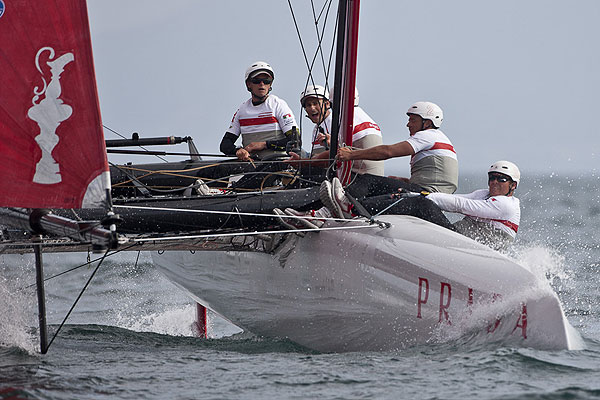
[[260, 89], [317, 108], [416, 124], [497, 187]]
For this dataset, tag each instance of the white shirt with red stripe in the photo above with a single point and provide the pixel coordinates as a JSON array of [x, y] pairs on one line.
[[363, 126], [430, 142], [501, 212], [268, 120]]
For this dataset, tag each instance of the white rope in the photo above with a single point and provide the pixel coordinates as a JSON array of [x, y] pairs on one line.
[[228, 213], [333, 228]]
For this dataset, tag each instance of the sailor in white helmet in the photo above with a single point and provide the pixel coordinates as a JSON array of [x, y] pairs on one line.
[[434, 166], [433, 163], [491, 215], [316, 101], [265, 122]]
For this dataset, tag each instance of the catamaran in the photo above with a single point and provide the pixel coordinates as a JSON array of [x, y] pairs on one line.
[[382, 283]]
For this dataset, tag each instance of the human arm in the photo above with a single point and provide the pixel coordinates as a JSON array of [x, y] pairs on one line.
[[232, 134], [228, 146], [381, 152], [477, 205]]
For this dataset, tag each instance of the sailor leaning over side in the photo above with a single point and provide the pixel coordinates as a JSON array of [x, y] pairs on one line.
[[264, 121], [491, 216]]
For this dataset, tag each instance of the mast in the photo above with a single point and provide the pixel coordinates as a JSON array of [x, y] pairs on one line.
[[345, 78]]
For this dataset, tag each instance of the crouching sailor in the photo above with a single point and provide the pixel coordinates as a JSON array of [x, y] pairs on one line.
[[492, 215], [264, 121]]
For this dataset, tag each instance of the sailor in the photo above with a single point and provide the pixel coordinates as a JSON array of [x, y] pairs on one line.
[[316, 101], [491, 215], [434, 167], [265, 122], [433, 162]]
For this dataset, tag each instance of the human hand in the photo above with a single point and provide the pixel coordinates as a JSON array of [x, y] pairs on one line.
[[243, 155], [344, 154], [255, 146], [293, 160], [323, 138]]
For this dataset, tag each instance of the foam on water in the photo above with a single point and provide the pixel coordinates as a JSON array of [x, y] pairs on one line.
[[17, 317]]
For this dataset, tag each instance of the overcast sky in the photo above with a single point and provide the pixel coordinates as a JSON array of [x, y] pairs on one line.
[[517, 79]]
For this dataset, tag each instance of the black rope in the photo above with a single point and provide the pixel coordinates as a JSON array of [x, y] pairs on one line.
[[77, 300], [137, 258], [80, 266], [319, 50]]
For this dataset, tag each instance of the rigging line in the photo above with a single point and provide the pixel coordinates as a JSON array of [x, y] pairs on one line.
[[142, 147], [333, 228], [77, 300], [319, 49], [327, 73], [157, 189], [308, 66], [388, 207], [137, 258], [210, 212], [326, 69], [210, 180], [320, 37], [323, 9], [80, 266], [303, 53]]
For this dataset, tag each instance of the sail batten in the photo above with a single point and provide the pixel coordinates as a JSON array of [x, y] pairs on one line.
[[51, 139]]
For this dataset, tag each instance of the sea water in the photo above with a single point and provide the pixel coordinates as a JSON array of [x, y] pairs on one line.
[[130, 336]]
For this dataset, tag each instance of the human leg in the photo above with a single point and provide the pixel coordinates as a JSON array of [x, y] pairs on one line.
[[367, 185], [416, 206]]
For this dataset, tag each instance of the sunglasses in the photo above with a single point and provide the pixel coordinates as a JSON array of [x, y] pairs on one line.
[[499, 178], [266, 81]]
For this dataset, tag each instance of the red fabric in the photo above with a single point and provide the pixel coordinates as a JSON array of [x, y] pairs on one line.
[[443, 146], [511, 225], [365, 125], [258, 121], [26, 27]]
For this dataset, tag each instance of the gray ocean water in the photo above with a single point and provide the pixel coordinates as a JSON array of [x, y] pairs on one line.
[[130, 336]]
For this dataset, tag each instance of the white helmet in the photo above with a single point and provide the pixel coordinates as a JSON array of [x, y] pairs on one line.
[[314, 91], [428, 110], [259, 66], [355, 96], [506, 168]]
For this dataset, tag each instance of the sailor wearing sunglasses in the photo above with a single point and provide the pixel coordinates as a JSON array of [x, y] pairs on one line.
[[492, 215], [264, 121]]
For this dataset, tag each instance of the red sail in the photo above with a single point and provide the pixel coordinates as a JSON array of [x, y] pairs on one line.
[[52, 152]]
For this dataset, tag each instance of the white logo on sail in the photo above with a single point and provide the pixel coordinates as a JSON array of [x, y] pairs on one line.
[[49, 113]]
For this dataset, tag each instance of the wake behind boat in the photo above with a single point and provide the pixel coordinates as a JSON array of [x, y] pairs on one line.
[[351, 285]]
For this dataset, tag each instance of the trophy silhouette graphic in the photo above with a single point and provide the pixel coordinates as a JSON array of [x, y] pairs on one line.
[[49, 113]]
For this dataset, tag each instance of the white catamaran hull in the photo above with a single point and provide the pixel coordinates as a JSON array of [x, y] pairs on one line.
[[375, 289]]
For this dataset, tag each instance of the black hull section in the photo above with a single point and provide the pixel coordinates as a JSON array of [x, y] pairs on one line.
[[159, 217]]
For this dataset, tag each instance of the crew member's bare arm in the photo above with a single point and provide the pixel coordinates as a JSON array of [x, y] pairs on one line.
[[381, 152]]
